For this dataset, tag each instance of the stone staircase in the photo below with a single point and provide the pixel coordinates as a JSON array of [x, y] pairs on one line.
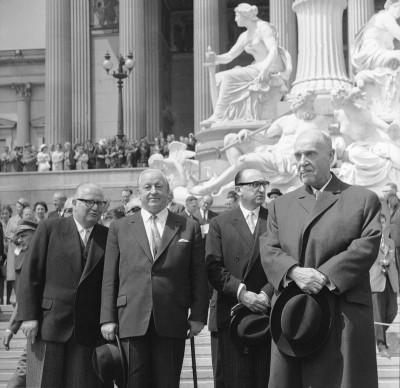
[[388, 370]]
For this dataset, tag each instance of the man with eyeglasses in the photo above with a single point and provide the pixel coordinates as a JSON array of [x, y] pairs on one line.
[[234, 270], [60, 294]]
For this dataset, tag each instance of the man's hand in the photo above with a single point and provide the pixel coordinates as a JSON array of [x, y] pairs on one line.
[[30, 329], [195, 327], [309, 280], [109, 330], [8, 334], [243, 135], [254, 302]]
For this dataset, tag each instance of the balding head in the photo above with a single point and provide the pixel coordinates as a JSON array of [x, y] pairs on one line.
[[59, 199], [314, 154], [206, 202]]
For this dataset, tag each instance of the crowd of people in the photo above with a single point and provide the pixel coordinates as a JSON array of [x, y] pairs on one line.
[[130, 284], [106, 153]]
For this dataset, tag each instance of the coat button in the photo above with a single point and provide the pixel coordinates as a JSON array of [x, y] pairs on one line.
[[237, 258]]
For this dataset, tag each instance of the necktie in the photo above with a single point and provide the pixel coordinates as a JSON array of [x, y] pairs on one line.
[[251, 222], [317, 194], [155, 235], [85, 236]]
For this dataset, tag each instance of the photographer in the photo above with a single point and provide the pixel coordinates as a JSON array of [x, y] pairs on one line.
[[384, 285]]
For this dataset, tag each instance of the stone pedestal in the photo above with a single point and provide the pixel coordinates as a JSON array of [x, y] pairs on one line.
[[24, 92], [206, 33], [58, 72], [80, 64], [358, 13], [284, 19], [320, 64], [131, 37]]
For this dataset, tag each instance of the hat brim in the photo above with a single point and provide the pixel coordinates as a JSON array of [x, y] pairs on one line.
[[292, 348], [241, 311]]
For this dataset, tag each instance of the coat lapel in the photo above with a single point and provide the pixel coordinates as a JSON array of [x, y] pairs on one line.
[[172, 226], [261, 228], [139, 231], [96, 252], [239, 222], [71, 245]]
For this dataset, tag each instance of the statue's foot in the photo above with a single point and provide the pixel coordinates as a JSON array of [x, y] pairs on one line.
[[202, 189], [207, 123]]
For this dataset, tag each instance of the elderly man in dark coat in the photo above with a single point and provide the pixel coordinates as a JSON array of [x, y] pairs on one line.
[[325, 234]]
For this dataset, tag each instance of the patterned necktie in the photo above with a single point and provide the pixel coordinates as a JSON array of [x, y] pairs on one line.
[[251, 222], [85, 236], [155, 235], [317, 194]]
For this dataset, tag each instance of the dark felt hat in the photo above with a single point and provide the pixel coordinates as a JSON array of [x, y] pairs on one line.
[[274, 191], [249, 331], [25, 225], [300, 323], [109, 363]]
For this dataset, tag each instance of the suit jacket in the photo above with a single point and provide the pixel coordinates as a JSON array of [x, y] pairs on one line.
[[176, 208], [54, 290], [377, 277], [233, 257], [338, 235], [53, 214], [395, 225], [2, 254], [184, 214], [135, 286], [203, 221]]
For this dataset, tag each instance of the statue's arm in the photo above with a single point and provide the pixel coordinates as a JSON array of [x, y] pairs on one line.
[[234, 52], [271, 44], [390, 24]]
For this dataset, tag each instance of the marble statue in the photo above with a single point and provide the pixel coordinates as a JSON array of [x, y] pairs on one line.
[[241, 93], [270, 150], [376, 61], [372, 147]]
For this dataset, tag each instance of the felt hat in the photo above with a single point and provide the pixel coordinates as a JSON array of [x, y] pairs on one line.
[[249, 331], [23, 202], [300, 323], [25, 225], [274, 191], [42, 147], [109, 363]]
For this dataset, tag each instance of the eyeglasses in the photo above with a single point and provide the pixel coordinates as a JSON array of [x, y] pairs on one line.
[[90, 203], [68, 211], [133, 210], [255, 185]]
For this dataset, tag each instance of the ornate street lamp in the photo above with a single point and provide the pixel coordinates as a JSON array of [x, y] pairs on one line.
[[125, 67]]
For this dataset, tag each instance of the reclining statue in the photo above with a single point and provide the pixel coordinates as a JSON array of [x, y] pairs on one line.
[[244, 93], [270, 151]]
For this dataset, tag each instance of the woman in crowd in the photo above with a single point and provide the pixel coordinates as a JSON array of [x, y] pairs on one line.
[[43, 158], [5, 214], [40, 209], [69, 157], [57, 157], [101, 153]]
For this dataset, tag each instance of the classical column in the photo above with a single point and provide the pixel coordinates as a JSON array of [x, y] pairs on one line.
[[80, 65], [358, 13], [58, 72], [320, 64], [206, 33], [284, 19], [24, 92], [131, 38], [154, 70]]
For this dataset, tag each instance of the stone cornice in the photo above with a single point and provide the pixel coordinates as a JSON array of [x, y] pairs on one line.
[[22, 57]]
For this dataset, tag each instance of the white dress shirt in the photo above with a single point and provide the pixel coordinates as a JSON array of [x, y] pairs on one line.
[[81, 230]]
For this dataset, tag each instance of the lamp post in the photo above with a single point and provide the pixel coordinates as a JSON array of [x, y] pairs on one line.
[[125, 67]]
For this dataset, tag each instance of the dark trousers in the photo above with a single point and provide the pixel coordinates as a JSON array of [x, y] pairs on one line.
[[153, 361], [242, 370], [384, 306], [60, 365], [216, 361]]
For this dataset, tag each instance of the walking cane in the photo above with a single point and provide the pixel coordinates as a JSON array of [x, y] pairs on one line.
[[193, 362]]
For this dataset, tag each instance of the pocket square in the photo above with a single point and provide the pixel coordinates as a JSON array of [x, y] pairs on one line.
[[182, 240]]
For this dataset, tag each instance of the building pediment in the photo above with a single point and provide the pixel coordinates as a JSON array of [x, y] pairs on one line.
[[37, 123]]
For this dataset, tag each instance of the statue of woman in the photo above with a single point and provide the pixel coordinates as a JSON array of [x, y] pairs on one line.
[[374, 44], [241, 89]]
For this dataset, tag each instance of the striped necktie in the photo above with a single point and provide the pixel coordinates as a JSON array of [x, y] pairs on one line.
[[155, 235]]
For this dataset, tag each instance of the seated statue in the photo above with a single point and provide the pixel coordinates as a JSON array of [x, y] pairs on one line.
[[376, 61], [240, 94], [271, 150], [372, 147]]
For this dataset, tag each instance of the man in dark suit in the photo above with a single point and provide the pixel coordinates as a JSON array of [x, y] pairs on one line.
[[234, 270], [174, 207], [191, 206], [204, 214], [325, 234], [154, 273], [60, 294], [59, 199]]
